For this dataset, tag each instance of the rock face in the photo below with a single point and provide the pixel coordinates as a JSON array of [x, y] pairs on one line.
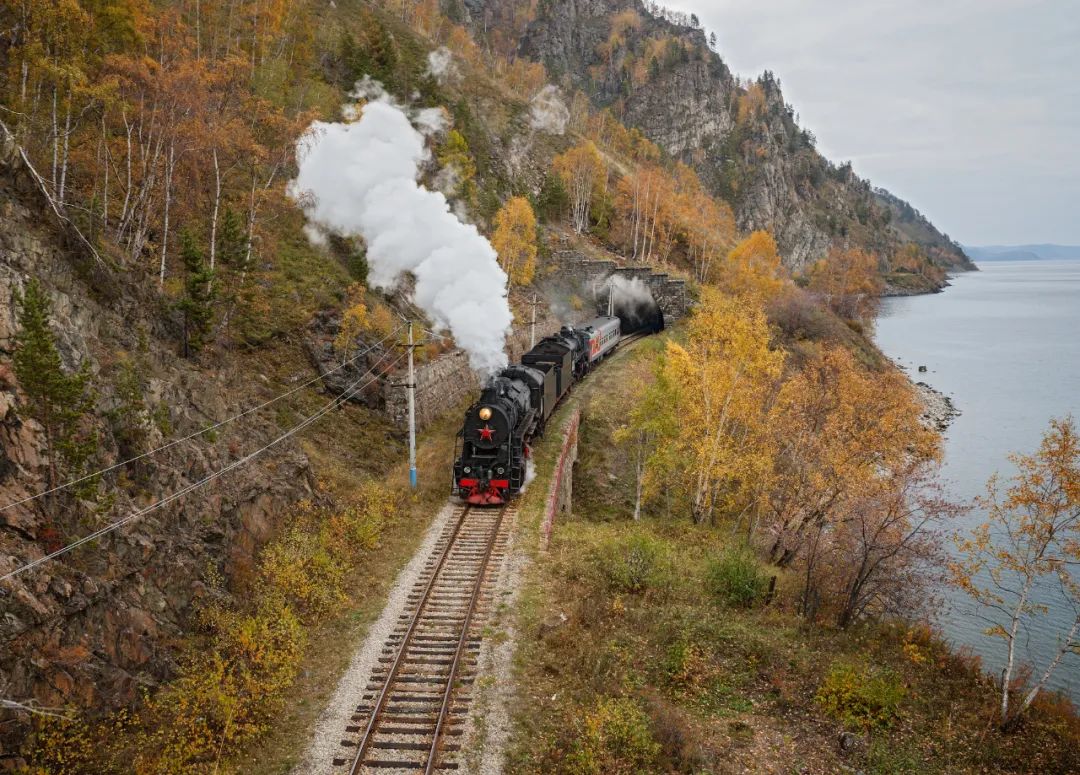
[[662, 78], [91, 627]]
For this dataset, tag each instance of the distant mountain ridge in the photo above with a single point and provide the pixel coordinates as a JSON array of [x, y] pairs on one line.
[[1043, 252]]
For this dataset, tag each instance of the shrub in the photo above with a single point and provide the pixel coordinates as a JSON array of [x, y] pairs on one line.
[[861, 697], [614, 739], [235, 676], [683, 663], [737, 578], [633, 563]]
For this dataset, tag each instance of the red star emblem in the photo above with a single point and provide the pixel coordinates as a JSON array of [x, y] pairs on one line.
[[487, 433]]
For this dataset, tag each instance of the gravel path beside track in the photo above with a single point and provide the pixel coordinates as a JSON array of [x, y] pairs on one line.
[[326, 740]]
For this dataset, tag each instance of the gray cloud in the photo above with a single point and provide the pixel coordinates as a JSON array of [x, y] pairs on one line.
[[968, 108]]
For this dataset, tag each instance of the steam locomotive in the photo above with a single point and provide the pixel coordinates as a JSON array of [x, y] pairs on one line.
[[514, 407]]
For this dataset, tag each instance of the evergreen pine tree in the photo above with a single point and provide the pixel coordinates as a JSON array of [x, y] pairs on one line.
[[56, 399], [231, 239], [196, 304]]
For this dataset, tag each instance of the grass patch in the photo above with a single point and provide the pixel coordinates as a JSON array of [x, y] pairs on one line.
[[627, 663]]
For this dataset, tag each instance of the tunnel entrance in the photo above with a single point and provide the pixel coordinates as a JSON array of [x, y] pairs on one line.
[[631, 301]]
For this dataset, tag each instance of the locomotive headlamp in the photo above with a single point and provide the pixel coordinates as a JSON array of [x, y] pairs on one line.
[[485, 413]]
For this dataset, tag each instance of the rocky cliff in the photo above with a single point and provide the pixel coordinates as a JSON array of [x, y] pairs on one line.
[[94, 626], [743, 139]]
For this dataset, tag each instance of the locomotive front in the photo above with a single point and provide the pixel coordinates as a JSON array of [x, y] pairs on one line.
[[490, 467]]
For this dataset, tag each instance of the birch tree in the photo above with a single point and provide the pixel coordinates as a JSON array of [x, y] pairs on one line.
[[716, 452], [1025, 556], [583, 172]]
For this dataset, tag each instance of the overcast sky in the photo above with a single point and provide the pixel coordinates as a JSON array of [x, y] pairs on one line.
[[969, 109]]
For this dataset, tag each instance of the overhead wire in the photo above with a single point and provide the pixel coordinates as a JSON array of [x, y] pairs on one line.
[[201, 432], [337, 401]]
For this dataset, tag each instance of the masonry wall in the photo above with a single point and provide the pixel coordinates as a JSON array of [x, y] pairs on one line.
[[589, 275], [440, 385]]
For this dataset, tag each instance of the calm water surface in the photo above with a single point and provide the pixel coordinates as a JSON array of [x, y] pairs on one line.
[[1004, 344]]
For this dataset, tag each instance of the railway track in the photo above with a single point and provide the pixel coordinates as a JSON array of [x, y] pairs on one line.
[[412, 714]]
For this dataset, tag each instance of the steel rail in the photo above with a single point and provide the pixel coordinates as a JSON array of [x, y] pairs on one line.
[[365, 741], [448, 693]]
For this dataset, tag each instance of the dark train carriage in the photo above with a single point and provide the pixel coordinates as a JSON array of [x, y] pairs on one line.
[[558, 352]]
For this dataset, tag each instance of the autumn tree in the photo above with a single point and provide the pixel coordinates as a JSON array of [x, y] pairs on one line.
[[837, 429], [515, 240], [881, 552], [1024, 558], [912, 259], [716, 451], [455, 158], [650, 421], [644, 202], [58, 400], [354, 319], [848, 281], [753, 268], [584, 175]]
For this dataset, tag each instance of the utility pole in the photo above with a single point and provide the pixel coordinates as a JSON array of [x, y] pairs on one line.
[[611, 299], [532, 324], [411, 392]]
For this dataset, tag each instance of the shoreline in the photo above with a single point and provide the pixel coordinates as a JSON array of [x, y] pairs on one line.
[[939, 410]]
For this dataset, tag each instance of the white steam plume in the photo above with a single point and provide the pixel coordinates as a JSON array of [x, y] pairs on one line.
[[631, 292], [547, 112], [440, 64], [358, 178]]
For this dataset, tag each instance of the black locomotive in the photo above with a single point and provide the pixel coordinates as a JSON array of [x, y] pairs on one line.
[[515, 406]]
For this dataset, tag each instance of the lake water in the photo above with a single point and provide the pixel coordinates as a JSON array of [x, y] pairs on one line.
[[1004, 344]]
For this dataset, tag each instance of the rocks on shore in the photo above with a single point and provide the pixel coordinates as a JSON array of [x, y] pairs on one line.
[[938, 409]]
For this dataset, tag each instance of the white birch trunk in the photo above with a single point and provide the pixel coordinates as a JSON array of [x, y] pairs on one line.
[[64, 156], [169, 162], [214, 213]]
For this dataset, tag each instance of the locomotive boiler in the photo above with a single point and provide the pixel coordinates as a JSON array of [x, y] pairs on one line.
[[515, 405]]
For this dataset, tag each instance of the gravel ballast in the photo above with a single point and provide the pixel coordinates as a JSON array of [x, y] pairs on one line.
[[330, 730]]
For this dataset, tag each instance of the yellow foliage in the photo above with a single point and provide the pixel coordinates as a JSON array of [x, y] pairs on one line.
[[234, 678], [751, 104], [584, 174], [381, 321], [515, 240], [711, 401], [838, 430], [525, 78], [353, 320], [753, 268], [849, 282]]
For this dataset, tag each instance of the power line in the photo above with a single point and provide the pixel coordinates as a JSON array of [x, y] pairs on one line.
[[198, 433], [337, 401]]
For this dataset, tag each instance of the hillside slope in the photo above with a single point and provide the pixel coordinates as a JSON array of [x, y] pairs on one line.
[[743, 139]]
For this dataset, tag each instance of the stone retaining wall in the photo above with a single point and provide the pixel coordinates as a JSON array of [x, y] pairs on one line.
[[561, 492], [440, 385]]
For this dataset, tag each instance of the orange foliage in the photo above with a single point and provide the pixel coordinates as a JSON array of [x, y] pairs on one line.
[[849, 282], [751, 104], [753, 268]]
